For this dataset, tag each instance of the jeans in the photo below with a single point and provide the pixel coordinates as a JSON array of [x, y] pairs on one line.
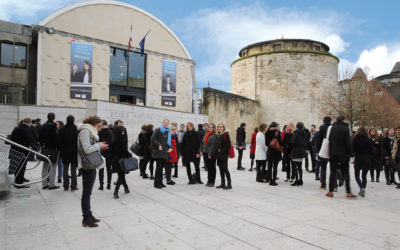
[[261, 170], [121, 181], [343, 165], [45, 171], [160, 164], [109, 172], [240, 156], [317, 168], [224, 171], [197, 169], [88, 179], [363, 183], [323, 164], [60, 168], [66, 176], [297, 169], [272, 170]]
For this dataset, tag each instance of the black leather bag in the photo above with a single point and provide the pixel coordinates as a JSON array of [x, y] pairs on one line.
[[137, 149], [129, 164], [51, 153]]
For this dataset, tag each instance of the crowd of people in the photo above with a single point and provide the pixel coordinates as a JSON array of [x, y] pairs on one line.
[[72, 149]]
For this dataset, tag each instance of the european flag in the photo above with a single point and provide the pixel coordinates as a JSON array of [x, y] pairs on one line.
[[141, 44]]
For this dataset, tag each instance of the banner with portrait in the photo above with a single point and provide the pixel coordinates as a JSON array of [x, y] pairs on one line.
[[168, 88], [81, 70]]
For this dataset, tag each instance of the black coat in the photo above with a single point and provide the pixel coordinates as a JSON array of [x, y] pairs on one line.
[[322, 134], [299, 144], [24, 135], [340, 141], [48, 135], [314, 143], [68, 143], [364, 152], [220, 149], [386, 148], [240, 138], [286, 143], [190, 146], [106, 135], [273, 154], [159, 139], [147, 150], [119, 150], [377, 149]]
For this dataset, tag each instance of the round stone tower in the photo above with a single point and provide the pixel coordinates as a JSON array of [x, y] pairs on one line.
[[289, 78]]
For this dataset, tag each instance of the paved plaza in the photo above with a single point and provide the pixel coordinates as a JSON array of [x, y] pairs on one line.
[[250, 216]]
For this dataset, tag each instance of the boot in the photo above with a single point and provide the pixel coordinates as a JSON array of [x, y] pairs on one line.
[[221, 186], [296, 183], [94, 219], [330, 195], [87, 222], [301, 182], [126, 190], [109, 186], [101, 187], [116, 196]]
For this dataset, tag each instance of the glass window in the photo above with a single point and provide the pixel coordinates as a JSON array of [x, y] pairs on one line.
[[118, 67], [119, 73], [8, 51], [136, 70], [12, 94]]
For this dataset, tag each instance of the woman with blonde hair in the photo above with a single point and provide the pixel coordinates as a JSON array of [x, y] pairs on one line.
[[220, 151]]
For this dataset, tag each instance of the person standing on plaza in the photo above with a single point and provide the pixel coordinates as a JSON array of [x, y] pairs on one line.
[[105, 135], [323, 130], [148, 151], [396, 153], [387, 147], [314, 148], [119, 150], [68, 141], [313, 131], [339, 155], [299, 143], [261, 154], [205, 148], [377, 159], [172, 161], [143, 161], [274, 156], [60, 164], [363, 147], [181, 133], [240, 144], [161, 147], [201, 137], [253, 148], [286, 138], [48, 141], [191, 153], [23, 135], [88, 143], [220, 151]]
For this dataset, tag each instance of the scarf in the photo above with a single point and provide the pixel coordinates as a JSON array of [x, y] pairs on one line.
[[166, 130], [174, 136], [284, 132], [207, 136], [92, 130]]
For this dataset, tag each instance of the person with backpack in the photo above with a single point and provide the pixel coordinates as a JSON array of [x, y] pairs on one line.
[[220, 151]]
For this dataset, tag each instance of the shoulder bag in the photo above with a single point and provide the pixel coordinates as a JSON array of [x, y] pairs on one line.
[[129, 164], [90, 161], [324, 151], [275, 144]]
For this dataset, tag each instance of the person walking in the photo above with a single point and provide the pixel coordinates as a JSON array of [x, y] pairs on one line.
[[119, 150], [68, 141], [105, 135], [206, 145], [339, 155], [23, 135], [299, 143], [161, 147], [363, 147], [220, 151], [60, 164], [323, 130], [240, 144], [253, 148], [274, 156], [377, 159], [48, 141], [261, 154], [191, 153], [88, 143], [286, 139], [387, 147]]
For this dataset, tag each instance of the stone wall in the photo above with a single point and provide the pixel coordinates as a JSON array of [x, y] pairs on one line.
[[231, 110]]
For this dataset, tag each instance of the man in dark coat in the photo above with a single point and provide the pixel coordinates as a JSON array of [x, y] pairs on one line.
[[68, 142], [323, 130], [240, 144], [23, 135], [48, 141], [339, 154]]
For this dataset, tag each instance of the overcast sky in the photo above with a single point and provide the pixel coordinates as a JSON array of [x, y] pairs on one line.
[[361, 33]]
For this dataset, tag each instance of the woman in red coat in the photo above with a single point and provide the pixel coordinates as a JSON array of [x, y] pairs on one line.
[[172, 156], [253, 148]]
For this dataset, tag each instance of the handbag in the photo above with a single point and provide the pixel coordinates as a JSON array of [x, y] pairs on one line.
[[90, 161], [137, 149], [129, 164], [275, 145], [231, 152], [324, 151], [51, 153]]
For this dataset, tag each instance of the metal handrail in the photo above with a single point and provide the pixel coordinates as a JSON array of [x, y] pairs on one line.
[[4, 138]]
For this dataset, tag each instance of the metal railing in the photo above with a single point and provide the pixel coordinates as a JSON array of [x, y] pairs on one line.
[[13, 157]]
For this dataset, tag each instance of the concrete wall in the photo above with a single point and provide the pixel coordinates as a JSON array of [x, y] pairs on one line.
[[232, 110]]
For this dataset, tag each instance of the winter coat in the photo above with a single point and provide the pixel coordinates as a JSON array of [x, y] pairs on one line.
[[48, 135], [314, 143], [190, 146], [68, 143], [377, 140], [396, 148], [386, 147], [106, 135], [340, 141], [24, 135], [119, 150], [322, 134], [211, 141], [286, 143], [88, 138], [173, 155], [220, 150], [364, 152], [273, 154], [240, 138], [159, 139], [261, 148], [299, 144], [147, 150], [253, 143]]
